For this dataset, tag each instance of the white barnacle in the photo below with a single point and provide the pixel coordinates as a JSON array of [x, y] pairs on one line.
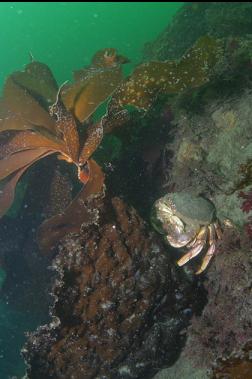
[[107, 305], [125, 370]]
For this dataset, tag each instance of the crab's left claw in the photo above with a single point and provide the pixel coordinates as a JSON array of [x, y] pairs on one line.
[[197, 246], [191, 254]]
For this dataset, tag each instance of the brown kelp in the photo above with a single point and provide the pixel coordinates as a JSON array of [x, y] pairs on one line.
[[39, 119], [36, 119], [194, 69], [93, 85]]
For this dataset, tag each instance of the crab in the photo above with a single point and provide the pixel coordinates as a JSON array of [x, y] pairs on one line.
[[187, 221]]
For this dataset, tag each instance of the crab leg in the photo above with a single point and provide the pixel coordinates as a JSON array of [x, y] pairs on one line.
[[210, 251], [196, 249], [192, 243], [206, 259], [181, 243], [218, 230]]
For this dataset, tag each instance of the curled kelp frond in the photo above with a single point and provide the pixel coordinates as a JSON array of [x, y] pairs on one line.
[[38, 119], [94, 84], [28, 132]]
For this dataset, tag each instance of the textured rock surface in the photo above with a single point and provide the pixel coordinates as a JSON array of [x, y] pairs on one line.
[[194, 19], [182, 369], [215, 146], [210, 154], [119, 308], [225, 324]]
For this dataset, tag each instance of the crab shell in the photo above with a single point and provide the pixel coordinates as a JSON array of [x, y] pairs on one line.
[[180, 216]]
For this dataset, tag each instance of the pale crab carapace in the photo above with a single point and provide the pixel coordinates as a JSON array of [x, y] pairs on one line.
[[187, 221]]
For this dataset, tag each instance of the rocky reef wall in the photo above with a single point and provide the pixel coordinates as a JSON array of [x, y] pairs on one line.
[[121, 308]]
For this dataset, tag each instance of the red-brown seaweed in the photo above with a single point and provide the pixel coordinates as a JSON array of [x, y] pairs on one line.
[[83, 210], [37, 119], [94, 84], [170, 77], [115, 311]]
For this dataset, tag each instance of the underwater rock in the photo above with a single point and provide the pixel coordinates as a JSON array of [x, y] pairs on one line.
[[220, 126], [219, 340], [196, 19], [119, 306], [212, 152], [246, 207], [182, 369], [211, 155], [181, 33], [238, 366], [189, 151], [233, 119], [224, 327], [221, 129]]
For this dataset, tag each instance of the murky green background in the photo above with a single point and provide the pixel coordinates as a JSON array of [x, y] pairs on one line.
[[66, 35]]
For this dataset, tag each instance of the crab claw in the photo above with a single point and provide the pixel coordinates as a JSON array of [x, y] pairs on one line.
[[218, 230], [191, 254], [179, 242], [212, 246], [197, 246]]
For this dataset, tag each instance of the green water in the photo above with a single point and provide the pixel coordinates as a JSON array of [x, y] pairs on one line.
[[65, 36]]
